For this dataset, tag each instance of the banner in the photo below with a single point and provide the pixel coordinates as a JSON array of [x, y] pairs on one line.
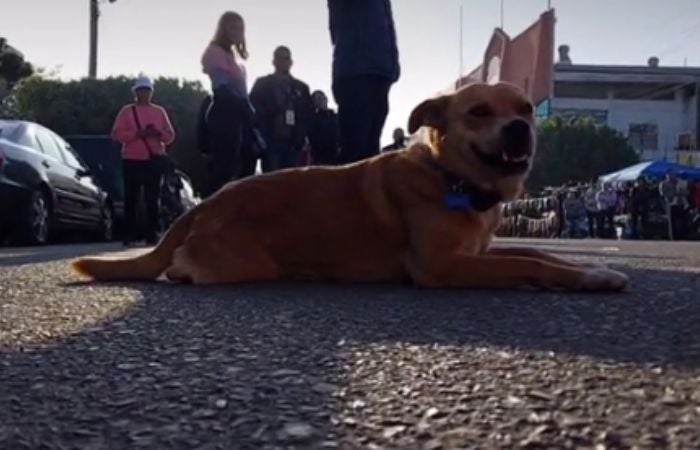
[[526, 60]]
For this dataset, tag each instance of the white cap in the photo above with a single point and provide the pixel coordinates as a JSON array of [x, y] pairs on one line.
[[143, 82]]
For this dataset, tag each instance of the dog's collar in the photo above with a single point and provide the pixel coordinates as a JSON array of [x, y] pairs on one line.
[[462, 194]]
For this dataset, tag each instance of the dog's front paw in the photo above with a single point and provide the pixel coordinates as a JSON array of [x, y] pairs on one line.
[[604, 280]]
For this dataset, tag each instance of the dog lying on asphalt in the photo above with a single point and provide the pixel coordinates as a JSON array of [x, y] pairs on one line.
[[427, 214]]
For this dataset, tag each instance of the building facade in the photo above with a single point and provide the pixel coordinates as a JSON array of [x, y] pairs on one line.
[[657, 108]]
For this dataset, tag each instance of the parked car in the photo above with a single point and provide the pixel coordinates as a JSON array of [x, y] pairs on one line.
[[45, 187]]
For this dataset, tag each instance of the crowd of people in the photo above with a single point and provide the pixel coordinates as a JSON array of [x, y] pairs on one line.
[[279, 122], [643, 209]]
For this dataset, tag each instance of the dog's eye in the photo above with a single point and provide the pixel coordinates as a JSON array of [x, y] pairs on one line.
[[481, 111], [526, 110]]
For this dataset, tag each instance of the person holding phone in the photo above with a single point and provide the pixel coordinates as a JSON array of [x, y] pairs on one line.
[[144, 130]]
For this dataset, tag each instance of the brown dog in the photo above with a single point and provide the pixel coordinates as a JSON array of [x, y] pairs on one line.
[[427, 213]]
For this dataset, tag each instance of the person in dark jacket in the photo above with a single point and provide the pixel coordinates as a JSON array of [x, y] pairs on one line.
[[324, 132], [283, 109], [365, 65]]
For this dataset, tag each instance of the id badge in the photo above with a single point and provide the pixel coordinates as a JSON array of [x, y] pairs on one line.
[[457, 201], [289, 118]]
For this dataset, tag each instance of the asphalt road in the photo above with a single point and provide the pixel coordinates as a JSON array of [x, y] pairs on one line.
[[324, 366]]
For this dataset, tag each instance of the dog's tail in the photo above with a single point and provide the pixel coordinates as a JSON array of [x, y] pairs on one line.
[[146, 267]]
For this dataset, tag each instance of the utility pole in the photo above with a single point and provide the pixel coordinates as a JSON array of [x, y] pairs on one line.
[[94, 19], [94, 31]]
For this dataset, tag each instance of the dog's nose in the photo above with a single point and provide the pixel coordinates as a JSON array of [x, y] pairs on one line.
[[517, 137]]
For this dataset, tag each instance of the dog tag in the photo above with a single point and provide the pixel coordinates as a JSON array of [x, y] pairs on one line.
[[457, 201], [289, 117]]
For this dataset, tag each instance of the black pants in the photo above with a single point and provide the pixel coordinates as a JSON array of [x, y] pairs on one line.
[[249, 154], [639, 223], [606, 224], [225, 139], [141, 176], [678, 222], [280, 155], [363, 104], [592, 217], [324, 156]]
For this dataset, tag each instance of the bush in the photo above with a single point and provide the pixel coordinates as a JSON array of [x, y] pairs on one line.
[[89, 106]]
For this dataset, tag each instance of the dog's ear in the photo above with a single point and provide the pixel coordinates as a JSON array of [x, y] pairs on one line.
[[430, 113]]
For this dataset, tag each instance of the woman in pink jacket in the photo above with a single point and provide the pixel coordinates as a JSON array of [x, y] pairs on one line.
[[144, 130]]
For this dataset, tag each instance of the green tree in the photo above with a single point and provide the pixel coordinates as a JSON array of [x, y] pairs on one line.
[[89, 106], [13, 69], [577, 151]]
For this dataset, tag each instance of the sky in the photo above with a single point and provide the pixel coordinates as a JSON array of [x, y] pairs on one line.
[[167, 37]]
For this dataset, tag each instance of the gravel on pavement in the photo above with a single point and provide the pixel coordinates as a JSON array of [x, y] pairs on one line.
[[124, 366]]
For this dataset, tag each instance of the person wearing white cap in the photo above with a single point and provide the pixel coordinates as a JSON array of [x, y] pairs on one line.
[[144, 130]]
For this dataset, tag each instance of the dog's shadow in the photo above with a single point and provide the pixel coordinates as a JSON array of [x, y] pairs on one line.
[[240, 358]]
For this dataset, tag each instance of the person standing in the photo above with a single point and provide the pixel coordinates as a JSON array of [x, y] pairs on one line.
[[574, 212], [230, 116], [324, 132], [607, 206], [639, 209], [695, 196], [590, 200], [668, 189], [399, 143], [283, 107], [144, 130], [365, 66]]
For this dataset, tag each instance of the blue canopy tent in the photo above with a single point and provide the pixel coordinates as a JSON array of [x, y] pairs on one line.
[[652, 169]]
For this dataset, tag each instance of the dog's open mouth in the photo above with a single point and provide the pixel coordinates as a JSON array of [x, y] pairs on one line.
[[502, 162]]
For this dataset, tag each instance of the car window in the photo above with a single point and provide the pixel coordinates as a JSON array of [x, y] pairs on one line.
[[17, 133], [9, 130], [26, 139], [69, 155], [48, 145]]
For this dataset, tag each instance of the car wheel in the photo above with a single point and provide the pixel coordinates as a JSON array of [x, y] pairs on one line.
[[35, 222], [107, 225]]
